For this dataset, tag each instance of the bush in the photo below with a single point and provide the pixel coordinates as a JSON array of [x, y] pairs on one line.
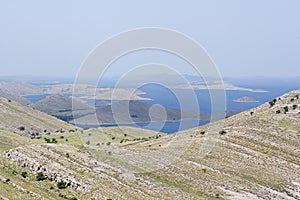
[[272, 103], [54, 141], [286, 109], [295, 106], [278, 112], [21, 128], [24, 174], [40, 176], [62, 185], [223, 132], [251, 113]]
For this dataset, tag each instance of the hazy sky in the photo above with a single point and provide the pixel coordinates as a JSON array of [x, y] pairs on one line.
[[244, 38]]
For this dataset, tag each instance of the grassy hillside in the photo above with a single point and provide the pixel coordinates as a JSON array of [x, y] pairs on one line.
[[254, 156]]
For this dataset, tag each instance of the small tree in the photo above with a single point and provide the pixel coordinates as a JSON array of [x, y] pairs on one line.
[[54, 141], [62, 185], [22, 128], [24, 174], [295, 106], [40, 176], [286, 109], [223, 132], [272, 103]]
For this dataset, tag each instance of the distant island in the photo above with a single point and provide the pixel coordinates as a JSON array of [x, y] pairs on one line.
[[245, 99]]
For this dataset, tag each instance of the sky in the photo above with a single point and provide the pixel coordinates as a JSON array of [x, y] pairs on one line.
[[52, 38]]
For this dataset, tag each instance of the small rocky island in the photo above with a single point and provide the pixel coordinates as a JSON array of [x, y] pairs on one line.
[[245, 99]]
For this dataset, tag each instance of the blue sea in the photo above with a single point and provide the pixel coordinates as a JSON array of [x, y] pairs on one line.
[[166, 97]]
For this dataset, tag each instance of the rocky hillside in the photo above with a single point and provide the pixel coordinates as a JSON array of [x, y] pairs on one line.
[[12, 96], [138, 112], [254, 155], [62, 106], [27, 121]]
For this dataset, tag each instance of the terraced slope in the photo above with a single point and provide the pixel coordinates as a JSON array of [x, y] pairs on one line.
[[256, 155]]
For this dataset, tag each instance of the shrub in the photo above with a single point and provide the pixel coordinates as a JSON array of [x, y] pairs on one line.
[[62, 137], [251, 113], [295, 106], [292, 99], [54, 141], [113, 138], [40, 176], [272, 103], [278, 112], [202, 132], [47, 140], [286, 109], [21, 128], [24, 174], [62, 185], [223, 132]]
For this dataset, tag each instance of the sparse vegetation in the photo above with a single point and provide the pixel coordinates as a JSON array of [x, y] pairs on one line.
[[273, 102], [295, 106], [54, 141], [22, 128], [40, 176], [62, 185], [24, 174], [223, 132], [286, 109]]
